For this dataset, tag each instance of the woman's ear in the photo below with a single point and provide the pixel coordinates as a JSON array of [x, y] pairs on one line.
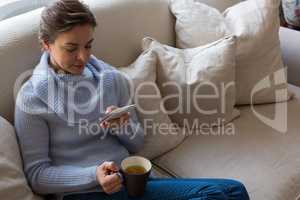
[[45, 46]]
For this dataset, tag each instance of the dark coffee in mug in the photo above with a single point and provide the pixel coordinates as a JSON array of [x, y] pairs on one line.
[[135, 169]]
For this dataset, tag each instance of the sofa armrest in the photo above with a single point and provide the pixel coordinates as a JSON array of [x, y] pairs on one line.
[[13, 182], [290, 45]]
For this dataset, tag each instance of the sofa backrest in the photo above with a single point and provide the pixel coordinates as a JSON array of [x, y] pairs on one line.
[[121, 26]]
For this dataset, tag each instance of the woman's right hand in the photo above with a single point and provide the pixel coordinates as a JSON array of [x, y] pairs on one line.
[[108, 177]]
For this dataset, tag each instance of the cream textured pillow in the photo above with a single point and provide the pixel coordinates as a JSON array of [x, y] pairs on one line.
[[13, 184], [197, 84], [195, 18], [259, 67], [161, 134]]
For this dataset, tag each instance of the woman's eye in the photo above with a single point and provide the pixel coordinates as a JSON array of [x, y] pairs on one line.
[[70, 50], [88, 47]]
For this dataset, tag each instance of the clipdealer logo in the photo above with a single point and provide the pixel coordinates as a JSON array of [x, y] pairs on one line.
[[279, 122]]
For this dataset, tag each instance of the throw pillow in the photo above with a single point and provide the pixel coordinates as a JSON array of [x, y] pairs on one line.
[[259, 67], [197, 19], [197, 84], [161, 135]]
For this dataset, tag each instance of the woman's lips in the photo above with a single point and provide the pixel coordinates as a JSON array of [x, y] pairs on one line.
[[78, 66]]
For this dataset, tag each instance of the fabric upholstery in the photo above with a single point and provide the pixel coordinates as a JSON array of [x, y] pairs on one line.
[[256, 25], [193, 81], [290, 42], [117, 38], [142, 76], [121, 26], [13, 184], [197, 23], [220, 5], [264, 159]]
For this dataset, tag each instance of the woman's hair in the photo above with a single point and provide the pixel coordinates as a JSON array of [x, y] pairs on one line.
[[62, 16]]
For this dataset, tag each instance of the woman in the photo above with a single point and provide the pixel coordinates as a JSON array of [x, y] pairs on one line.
[[65, 153]]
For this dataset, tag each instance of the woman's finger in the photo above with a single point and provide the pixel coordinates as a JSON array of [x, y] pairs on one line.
[[127, 117], [111, 182], [104, 124], [115, 189], [111, 190], [110, 108], [124, 119], [114, 183], [114, 123], [111, 166]]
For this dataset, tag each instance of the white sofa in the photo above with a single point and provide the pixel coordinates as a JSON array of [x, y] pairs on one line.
[[265, 160]]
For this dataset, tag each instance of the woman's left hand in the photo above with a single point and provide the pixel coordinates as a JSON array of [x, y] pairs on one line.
[[115, 123]]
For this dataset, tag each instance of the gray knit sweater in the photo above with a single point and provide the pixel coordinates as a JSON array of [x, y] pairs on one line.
[[56, 120]]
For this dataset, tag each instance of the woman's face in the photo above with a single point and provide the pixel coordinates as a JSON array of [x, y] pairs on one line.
[[71, 50]]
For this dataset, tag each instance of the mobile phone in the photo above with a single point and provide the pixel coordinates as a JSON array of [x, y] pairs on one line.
[[117, 113]]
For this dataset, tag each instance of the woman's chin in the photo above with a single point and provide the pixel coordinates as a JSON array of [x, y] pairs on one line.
[[77, 70]]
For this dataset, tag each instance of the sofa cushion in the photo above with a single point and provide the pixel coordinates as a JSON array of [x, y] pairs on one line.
[[146, 95], [264, 159], [256, 25], [13, 184], [197, 84]]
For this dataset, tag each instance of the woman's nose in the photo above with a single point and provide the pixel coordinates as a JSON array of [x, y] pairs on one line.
[[82, 55]]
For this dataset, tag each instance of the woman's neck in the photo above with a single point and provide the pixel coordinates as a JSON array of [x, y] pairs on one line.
[[55, 66]]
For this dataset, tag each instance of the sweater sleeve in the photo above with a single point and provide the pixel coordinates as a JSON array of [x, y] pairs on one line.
[[44, 178], [132, 134]]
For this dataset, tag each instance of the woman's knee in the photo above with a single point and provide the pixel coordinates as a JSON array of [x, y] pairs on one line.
[[236, 189]]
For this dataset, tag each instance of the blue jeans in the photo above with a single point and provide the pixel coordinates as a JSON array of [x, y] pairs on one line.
[[178, 189]]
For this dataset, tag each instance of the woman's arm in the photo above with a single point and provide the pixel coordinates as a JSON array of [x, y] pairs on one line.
[[132, 134], [44, 178]]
